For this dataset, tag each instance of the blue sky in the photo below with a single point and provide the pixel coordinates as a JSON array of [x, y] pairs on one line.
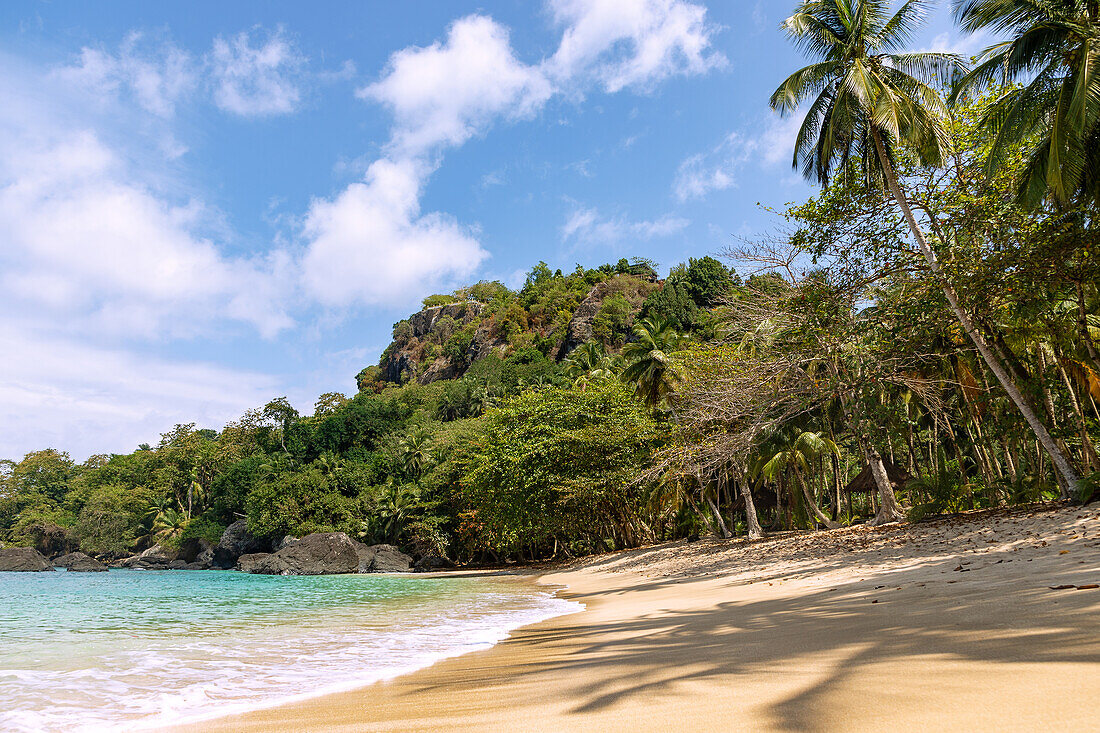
[[205, 205]]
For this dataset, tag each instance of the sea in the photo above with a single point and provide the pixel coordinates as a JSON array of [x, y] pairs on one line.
[[133, 650]]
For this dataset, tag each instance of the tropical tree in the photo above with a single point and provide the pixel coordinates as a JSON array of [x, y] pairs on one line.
[[1055, 115], [588, 363], [797, 454], [649, 360], [169, 523], [872, 101]]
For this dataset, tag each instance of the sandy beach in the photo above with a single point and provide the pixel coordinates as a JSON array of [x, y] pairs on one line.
[[954, 624]]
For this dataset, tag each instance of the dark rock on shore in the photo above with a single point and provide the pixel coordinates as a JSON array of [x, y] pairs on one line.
[[155, 558], [384, 559], [429, 563], [23, 560], [78, 562], [326, 553], [235, 542]]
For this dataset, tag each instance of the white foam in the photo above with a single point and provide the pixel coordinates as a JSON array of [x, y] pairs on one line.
[[174, 677]]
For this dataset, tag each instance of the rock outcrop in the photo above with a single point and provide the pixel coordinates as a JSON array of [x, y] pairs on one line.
[[154, 558], [326, 553], [78, 562], [431, 563], [23, 560], [405, 358], [237, 541], [383, 559]]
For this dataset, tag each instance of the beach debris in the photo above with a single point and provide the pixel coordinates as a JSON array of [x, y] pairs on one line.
[[1062, 587]]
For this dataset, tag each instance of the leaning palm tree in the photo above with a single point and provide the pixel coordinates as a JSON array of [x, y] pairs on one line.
[[649, 360], [870, 100], [1055, 46]]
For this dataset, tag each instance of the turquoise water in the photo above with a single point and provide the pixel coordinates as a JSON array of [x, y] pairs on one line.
[[132, 649]]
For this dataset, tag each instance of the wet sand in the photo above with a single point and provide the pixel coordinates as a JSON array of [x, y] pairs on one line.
[[947, 625]]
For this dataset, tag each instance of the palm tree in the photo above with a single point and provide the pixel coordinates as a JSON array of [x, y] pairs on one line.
[[1055, 45], [414, 452], [798, 454], [649, 362], [589, 363], [169, 523], [869, 102]]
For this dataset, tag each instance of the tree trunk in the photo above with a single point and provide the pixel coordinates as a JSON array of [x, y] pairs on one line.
[[1061, 462], [724, 531], [751, 520], [818, 514], [888, 510]]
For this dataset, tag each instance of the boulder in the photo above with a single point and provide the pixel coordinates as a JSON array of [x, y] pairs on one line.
[[430, 563], [237, 541], [155, 558], [23, 560], [285, 542], [78, 562], [385, 559], [250, 563], [324, 553]]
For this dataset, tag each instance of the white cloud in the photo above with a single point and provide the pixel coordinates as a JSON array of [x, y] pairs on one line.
[[257, 77], [87, 399], [587, 226], [965, 45], [157, 75], [448, 92], [718, 169], [631, 43], [715, 170], [776, 143], [371, 244], [91, 239]]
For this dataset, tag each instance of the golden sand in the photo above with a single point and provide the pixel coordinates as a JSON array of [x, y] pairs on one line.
[[944, 626]]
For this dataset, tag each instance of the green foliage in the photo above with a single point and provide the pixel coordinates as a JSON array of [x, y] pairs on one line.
[[202, 528], [611, 320], [433, 301], [559, 464], [300, 503]]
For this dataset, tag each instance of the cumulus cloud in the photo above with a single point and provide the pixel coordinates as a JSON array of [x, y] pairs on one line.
[[89, 238], [631, 43], [371, 244], [587, 226], [448, 92], [257, 73], [156, 74]]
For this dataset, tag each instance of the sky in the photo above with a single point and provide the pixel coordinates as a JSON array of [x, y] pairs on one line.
[[207, 205]]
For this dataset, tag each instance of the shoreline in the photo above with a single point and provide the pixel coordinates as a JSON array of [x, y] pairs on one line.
[[947, 624]]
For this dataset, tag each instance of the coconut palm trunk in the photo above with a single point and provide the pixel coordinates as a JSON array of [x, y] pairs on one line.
[[818, 514], [751, 520], [1067, 476]]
